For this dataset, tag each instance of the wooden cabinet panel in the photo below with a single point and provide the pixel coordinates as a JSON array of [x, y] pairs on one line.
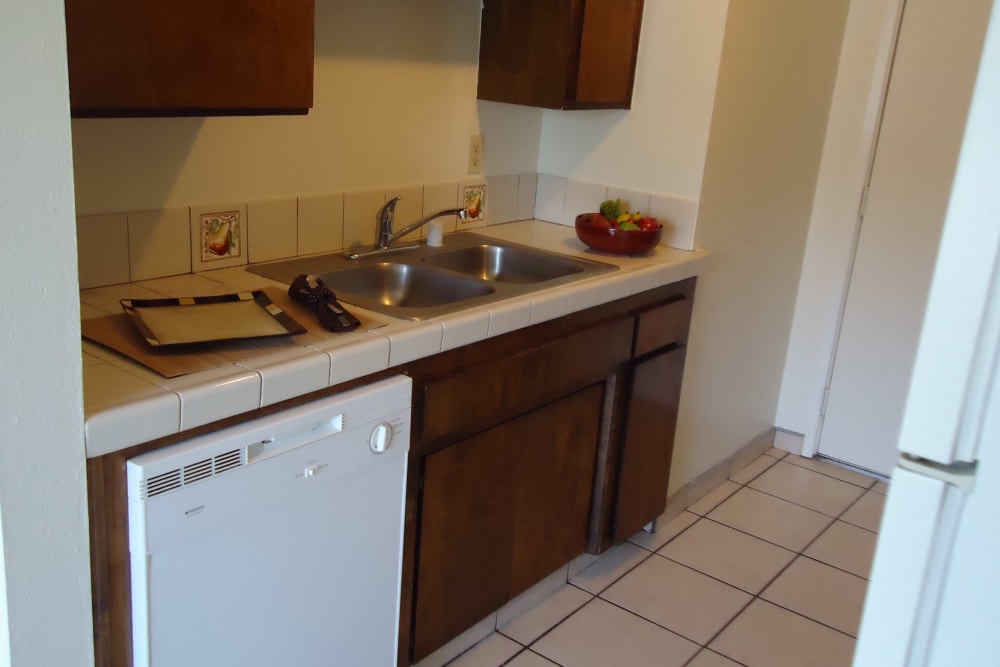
[[608, 49], [557, 454], [466, 532], [648, 442], [500, 511], [500, 387], [664, 325], [559, 54], [185, 57]]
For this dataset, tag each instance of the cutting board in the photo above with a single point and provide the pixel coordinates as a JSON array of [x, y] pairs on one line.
[[118, 333]]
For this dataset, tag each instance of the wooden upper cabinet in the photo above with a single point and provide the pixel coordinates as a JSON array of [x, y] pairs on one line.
[[559, 54], [189, 57]]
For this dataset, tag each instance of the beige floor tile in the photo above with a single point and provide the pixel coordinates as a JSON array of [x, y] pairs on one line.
[[713, 498], [530, 659], [664, 533], [807, 488], [756, 467], [776, 453], [610, 567], [493, 651], [601, 634], [867, 512], [768, 636], [678, 598], [727, 554], [534, 623], [833, 470], [772, 519], [881, 487], [709, 658], [847, 547], [821, 592]]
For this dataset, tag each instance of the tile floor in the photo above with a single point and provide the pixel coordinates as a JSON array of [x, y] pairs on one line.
[[768, 570]]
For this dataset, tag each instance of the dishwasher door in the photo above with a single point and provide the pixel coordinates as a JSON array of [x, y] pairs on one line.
[[275, 542]]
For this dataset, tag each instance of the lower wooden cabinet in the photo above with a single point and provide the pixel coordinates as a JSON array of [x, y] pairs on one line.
[[502, 510], [648, 444], [535, 448]]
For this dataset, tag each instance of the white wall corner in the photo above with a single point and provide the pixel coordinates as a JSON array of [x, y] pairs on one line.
[[582, 197], [789, 441], [550, 198]]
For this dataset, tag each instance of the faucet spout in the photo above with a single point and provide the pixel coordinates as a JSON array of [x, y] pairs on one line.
[[387, 237], [460, 212]]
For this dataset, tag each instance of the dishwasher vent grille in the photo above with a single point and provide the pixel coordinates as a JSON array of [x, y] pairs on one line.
[[191, 473]]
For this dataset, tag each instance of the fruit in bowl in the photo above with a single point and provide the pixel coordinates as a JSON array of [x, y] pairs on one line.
[[618, 231]]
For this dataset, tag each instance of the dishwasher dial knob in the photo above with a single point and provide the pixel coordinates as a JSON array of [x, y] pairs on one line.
[[381, 437]]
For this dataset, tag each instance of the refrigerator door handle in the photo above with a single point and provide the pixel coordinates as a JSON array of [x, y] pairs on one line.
[[961, 474]]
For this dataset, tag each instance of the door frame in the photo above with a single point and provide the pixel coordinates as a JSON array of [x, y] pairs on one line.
[[852, 134]]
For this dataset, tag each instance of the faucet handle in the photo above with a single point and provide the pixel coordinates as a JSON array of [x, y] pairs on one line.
[[388, 210], [385, 219]]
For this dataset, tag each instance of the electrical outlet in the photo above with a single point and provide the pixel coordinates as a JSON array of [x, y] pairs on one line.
[[476, 154]]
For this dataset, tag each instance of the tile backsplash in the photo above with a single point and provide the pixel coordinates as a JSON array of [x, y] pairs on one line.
[[142, 245], [561, 199]]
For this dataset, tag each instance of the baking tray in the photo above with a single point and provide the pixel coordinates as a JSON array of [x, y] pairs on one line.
[[205, 319]]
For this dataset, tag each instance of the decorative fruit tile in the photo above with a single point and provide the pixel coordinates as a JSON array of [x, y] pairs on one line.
[[218, 236], [475, 202]]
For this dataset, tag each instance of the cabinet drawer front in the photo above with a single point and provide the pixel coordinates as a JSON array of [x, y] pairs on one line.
[[664, 325], [497, 389]]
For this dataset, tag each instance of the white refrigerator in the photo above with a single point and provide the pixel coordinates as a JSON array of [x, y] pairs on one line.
[[934, 593]]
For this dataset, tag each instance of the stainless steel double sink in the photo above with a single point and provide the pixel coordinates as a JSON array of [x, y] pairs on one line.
[[468, 270]]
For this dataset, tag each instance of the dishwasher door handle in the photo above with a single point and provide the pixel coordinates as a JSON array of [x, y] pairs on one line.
[[269, 447]]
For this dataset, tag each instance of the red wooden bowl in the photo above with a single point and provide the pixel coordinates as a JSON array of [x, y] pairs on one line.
[[592, 231]]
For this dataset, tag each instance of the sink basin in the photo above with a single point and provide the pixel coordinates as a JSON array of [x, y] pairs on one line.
[[505, 264], [427, 282], [401, 286]]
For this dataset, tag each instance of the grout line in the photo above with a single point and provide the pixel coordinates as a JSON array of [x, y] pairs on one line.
[[820, 472]]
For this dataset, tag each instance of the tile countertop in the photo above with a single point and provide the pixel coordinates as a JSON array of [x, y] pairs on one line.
[[127, 404]]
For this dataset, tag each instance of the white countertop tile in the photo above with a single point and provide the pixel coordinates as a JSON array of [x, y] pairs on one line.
[[464, 327], [365, 353], [509, 315], [409, 341], [290, 373], [123, 410], [215, 394]]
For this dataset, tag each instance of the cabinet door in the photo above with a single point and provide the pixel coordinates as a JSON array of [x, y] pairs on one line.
[[556, 482], [609, 46], [649, 441], [559, 54], [500, 511], [466, 532], [165, 57]]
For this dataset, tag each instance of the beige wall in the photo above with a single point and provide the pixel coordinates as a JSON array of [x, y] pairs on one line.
[[395, 103], [659, 145], [45, 580], [776, 79]]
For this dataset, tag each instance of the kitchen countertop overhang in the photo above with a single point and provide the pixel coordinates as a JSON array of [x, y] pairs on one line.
[[126, 404]]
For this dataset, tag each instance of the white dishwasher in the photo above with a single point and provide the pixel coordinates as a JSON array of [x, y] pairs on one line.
[[277, 541]]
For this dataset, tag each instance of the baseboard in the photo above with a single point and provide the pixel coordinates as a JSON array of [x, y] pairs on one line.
[[709, 480]]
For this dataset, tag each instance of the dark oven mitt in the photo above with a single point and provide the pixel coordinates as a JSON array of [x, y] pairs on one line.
[[310, 291]]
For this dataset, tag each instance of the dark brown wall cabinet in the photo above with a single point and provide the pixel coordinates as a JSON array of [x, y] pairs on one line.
[[559, 54], [187, 57]]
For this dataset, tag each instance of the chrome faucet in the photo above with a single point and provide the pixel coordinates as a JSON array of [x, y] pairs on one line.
[[386, 236]]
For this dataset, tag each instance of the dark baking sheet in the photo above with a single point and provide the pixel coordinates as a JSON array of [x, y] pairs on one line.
[[204, 319]]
